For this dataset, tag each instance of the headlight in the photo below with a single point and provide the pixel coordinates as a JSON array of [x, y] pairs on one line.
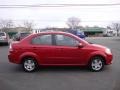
[[108, 51]]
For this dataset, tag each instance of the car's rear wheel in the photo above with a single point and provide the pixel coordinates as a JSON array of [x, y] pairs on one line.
[[29, 65], [96, 64]]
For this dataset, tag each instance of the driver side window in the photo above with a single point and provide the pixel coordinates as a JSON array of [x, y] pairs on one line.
[[63, 40]]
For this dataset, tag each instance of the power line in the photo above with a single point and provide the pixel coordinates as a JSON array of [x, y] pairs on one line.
[[38, 20], [56, 5]]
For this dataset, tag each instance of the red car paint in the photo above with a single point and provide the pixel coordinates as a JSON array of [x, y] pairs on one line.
[[55, 54]]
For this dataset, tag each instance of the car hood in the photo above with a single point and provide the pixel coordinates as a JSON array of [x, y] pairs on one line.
[[98, 47]]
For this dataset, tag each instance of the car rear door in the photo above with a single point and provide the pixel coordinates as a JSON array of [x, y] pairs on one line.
[[43, 47]]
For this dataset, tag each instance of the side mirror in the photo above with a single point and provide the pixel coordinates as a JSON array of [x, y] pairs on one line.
[[80, 45]]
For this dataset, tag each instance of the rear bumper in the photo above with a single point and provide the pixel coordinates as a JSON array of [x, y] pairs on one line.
[[13, 58]]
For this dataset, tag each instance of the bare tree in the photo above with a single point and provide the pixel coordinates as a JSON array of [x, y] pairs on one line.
[[5, 25], [28, 25], [116, 26], [73, 22]]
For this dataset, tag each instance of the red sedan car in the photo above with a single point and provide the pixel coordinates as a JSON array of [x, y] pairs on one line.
[[58, 49]]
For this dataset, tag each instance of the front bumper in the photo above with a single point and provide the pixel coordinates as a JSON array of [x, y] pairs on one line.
[[109, 59]]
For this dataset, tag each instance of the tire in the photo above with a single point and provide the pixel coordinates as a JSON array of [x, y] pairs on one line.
[[29, 65], [96, 64]]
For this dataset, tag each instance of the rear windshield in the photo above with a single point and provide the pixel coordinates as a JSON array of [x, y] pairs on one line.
[[2, 34]]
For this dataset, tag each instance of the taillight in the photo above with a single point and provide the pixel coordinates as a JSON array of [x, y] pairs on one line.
[[10, 47]]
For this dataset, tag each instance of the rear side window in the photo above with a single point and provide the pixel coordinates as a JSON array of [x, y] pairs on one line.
[[42, 40], [2, 34]]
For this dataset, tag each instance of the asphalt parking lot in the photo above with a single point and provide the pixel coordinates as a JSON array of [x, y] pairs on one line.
[[12, 77]]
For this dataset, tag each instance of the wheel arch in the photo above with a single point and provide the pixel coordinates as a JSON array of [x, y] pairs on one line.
[[28, 55], [97, 55]]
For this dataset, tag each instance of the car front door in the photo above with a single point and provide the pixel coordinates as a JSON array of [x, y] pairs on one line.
[[70, 52]]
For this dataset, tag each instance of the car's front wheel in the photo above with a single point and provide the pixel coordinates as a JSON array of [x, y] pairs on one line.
[[29, 64], [96, 64]]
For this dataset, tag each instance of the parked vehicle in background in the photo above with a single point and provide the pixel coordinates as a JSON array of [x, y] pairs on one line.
[[109, 33], [4, 38], [78, 33], [81, 34], [20, 35], [58, 49]]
